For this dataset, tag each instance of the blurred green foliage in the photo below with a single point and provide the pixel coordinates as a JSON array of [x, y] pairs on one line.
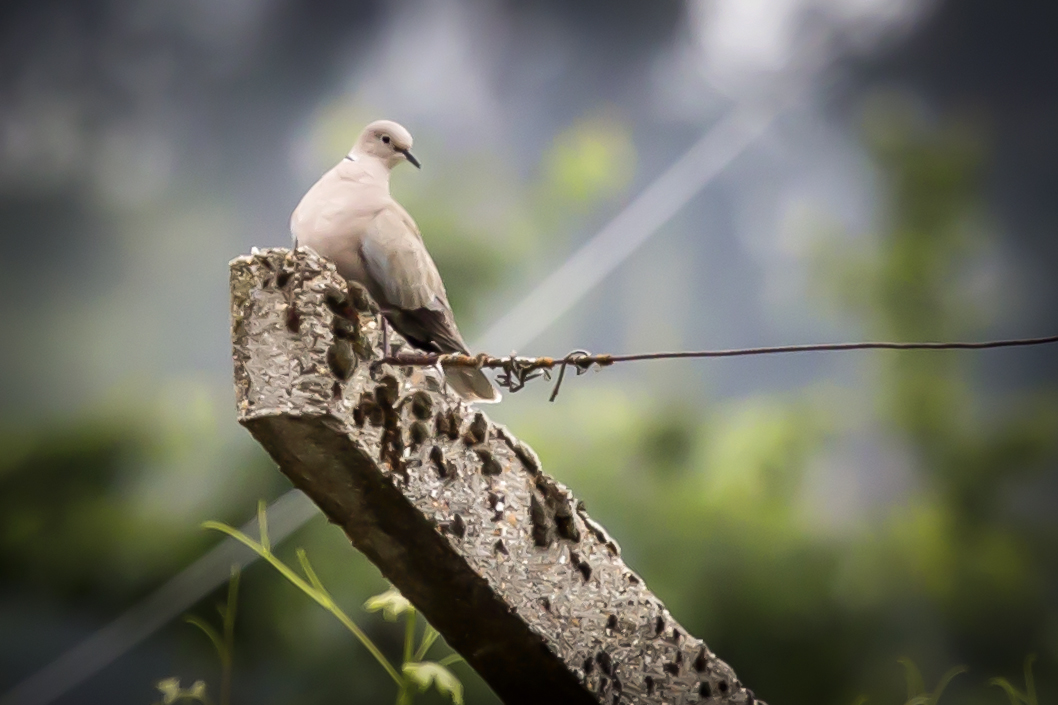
[[951, 573], [66, 528], [592, 160], [711, 499]]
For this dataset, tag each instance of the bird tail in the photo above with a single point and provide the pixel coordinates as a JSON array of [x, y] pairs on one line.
[[472, 385]]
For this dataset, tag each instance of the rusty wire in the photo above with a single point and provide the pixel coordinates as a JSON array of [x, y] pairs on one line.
[[516, 371]]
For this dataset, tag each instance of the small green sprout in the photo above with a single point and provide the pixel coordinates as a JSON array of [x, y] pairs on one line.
[[1016, 696], [224, 641], [173, 693], [391, 603], [916, 687], [415, 675], [429, 673]]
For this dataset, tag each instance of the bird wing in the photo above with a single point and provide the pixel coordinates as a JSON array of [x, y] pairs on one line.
[[406, 279]]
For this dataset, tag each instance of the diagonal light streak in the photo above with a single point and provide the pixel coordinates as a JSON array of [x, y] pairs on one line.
[[633, 226]]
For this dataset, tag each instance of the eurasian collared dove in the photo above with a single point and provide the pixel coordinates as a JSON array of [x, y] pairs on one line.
[[349, 217]]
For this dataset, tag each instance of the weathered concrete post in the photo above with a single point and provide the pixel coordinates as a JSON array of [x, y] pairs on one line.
[[454, 510]]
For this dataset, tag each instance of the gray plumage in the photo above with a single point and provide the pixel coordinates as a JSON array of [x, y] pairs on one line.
[[350, 217]]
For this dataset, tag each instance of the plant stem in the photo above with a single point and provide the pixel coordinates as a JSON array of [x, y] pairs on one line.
[[429, 636], [321, 598], [229, 637], [409, 636], [405, 696]]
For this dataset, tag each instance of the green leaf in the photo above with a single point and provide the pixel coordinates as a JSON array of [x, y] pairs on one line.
[[945, 680], [172, 692], [197, 691], [915, 685], [306, 567], [262, 525], [916, 688], [391, 602], [1015, 697], [426, 673], [210, 632], [1030, 682], [169, 688]]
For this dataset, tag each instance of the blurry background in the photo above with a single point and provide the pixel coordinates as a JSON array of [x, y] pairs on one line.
[[813, 517]]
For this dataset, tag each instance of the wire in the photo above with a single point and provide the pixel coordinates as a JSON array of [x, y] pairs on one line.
[[517, 371], [814, 347], [584, 358]]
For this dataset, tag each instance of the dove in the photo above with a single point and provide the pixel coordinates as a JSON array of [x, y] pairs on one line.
[[349, 217]]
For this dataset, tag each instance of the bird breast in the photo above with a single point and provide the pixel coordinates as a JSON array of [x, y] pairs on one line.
[[333, 218]]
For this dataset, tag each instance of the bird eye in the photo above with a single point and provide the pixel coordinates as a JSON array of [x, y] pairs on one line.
[[385, 138]]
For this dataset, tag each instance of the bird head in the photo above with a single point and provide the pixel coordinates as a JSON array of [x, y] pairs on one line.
[[388, 141]]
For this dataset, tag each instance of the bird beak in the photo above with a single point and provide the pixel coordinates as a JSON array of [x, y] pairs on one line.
[[411, 158]]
